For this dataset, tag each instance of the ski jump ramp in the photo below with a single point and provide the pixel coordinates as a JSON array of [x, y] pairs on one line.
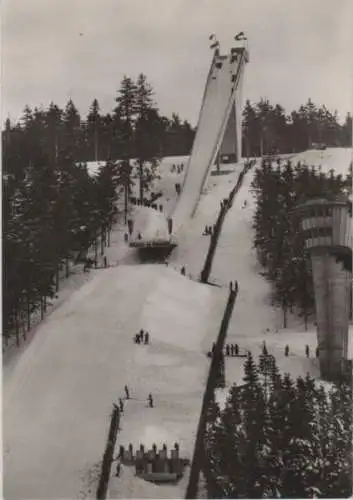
[[218, 132]]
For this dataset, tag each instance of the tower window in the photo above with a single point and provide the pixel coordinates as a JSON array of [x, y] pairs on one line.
[[318, 232]]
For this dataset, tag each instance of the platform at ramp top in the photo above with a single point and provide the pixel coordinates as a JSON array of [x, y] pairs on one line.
[[155, 243]]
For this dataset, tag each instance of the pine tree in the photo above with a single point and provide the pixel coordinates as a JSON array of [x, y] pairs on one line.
[[337, 473], [255, 427], [147, 151], [71, 130], [54, 131], [94, 127], [124, 179], [251, 130]]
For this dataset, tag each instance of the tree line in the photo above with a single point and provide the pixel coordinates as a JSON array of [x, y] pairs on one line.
[[278, 188], [135, 122], [279, 438], [268, 129]]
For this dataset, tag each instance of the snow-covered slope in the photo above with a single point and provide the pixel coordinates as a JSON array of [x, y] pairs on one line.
[[337, 159], [56, 404]]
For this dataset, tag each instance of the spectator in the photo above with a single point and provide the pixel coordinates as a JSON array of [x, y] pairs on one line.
[[150, 400], [121, 405]]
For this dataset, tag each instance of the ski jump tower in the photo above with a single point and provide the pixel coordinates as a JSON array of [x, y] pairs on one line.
[[327, 231], [218, 134]]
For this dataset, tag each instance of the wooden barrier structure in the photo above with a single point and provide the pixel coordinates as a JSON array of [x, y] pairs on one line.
[[199, 456], [108, 455]]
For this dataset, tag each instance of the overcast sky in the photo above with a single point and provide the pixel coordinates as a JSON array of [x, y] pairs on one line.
[[298, 49]]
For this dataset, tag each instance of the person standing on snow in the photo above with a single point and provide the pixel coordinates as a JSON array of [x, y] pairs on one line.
[[121, 405], [127, 393], [118, 468], [150, 400]]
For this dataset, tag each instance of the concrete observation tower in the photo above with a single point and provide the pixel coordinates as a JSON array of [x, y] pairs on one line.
[[327, 230]]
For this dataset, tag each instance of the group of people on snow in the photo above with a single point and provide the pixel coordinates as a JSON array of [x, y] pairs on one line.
[[179, 168], [307, 351], [142, 337], [208, 231]]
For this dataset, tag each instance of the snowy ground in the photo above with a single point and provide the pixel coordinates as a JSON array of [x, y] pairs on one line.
[[59, 388], [57, 402], [337, 159]]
